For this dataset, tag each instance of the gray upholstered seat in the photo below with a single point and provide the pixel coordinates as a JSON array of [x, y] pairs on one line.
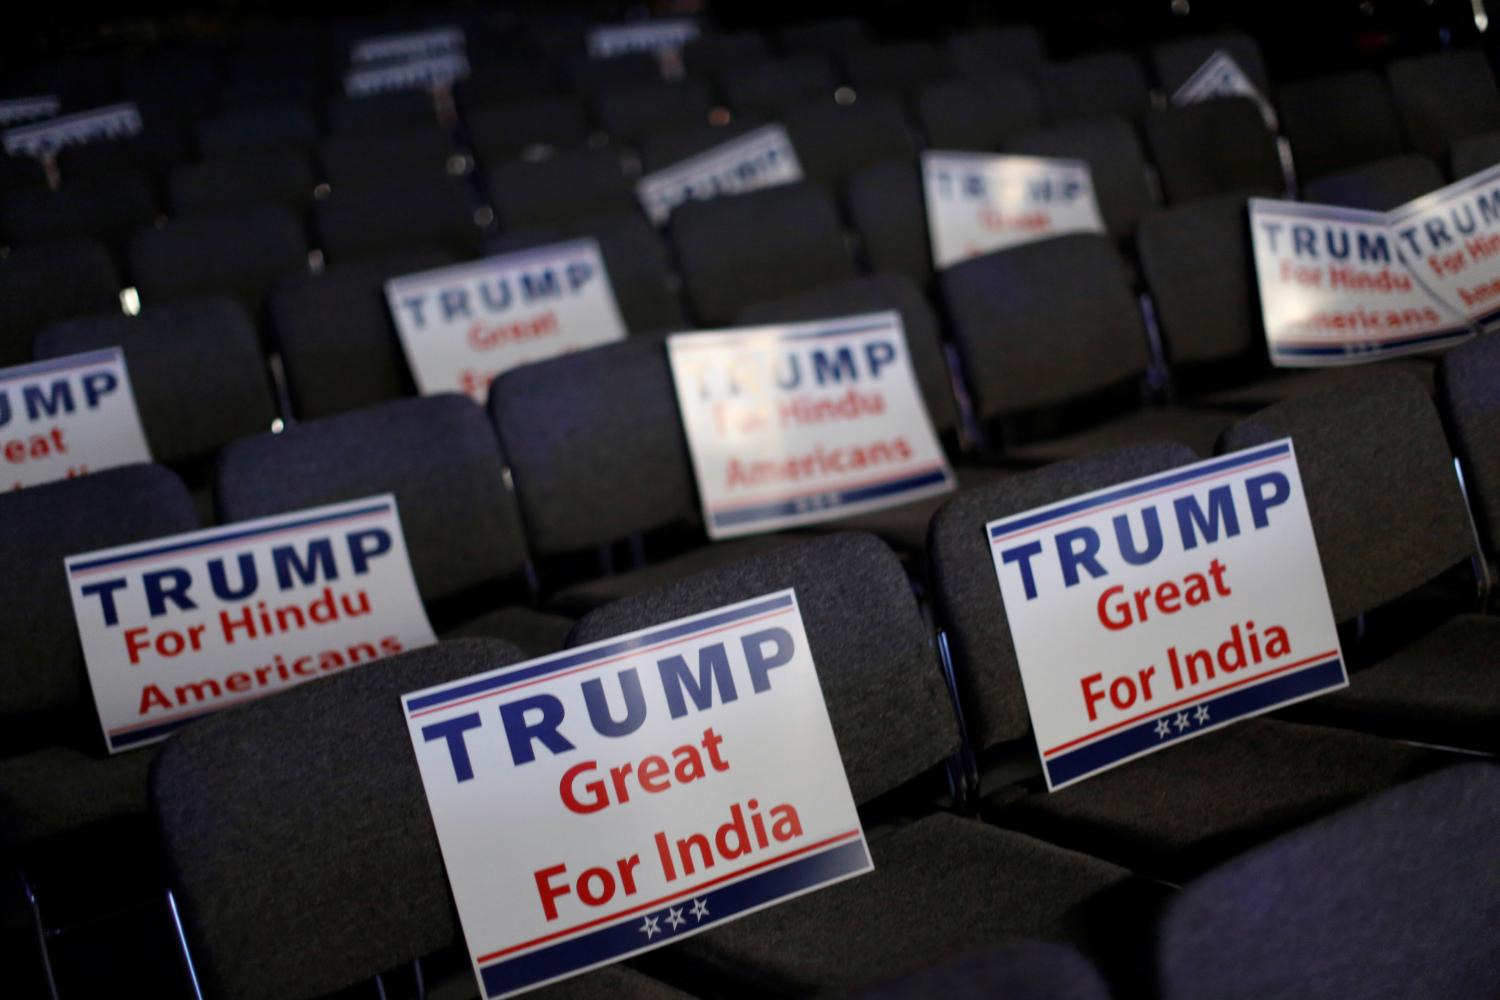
[[1378, 186], [1028, 970], [1213, 148], [1338, 122]]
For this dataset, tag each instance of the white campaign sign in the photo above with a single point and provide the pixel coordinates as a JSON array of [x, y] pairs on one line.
[[647, 36], [1221, 76], [67, 417], [463, 325], [759, 159], [426, 73], [44, 139], [1154, 611], [26, 109], [618, 797], [409, 45], [979, 202], [1451, 241], [178, 628], [1334, 290], [804, 422]]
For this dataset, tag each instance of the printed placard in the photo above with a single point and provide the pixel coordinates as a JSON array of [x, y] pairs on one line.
[[1155, 611], [1221, 76], [1335, 291], [427, 73], [1451, 241], [409, 45], [463, 325], [68, 416], [978, 202], [647, 36], [29, 109], [44, 139], [804, 422], [759, 159], [178, 628], [670, 780]]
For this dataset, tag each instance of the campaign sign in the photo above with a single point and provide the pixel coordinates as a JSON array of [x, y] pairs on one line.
[[44, 139], [409, 45], [26, 109], [804, 422], [67, 417], [759, 159], [1451, 241], [463, 325], [427, 73], [1334, 290], [618, 797], [979, 202], [1155, 611], [1221, 76], [647, 36], [178, 628]]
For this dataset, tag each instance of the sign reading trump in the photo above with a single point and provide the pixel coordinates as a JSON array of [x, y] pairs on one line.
[[614, 798], [1154, 611], [805, 422], [177, 628]]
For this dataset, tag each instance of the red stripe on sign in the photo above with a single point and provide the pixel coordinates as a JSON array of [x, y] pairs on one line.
[[1188, 701], [653, 904]]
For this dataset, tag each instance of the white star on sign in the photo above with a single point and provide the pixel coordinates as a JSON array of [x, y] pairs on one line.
[[1202, 714], [700, 909], [1163, 728], [1182, 721], [650, 928], [675, 918]]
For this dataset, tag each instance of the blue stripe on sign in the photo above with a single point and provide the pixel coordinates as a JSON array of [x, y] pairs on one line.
[[1236, 704], [562, 661], [1338, 350], [828, 500], [88, 359], [609, 943], [139, 736]]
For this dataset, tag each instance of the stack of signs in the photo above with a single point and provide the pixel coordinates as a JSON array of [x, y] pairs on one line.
[[759, 159], [664, 38], [419, 60], [463, 325], [177, 628], [44, 140], [665, 782], [805, 422], [1220, 76], [67, 417], [1153, 612], [19, 110], [978, 202]]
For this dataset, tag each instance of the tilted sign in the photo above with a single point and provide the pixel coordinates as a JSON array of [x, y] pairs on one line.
[[67, 417], [1155, 611], [177, 628], [804, 422], [26, 109], [409, 45], [1334, 290], [1451, 241], [44, 139], [646, 36], [614, 798], [462, 325], [1221, 76], [425, 73], [978, 202], [758, 159]]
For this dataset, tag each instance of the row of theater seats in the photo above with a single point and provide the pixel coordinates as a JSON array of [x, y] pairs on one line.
[[281, 819]]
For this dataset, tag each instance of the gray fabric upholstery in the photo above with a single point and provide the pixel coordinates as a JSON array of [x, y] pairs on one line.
[[904, 528], [612, 982], [1466, 381], [41, 663], [48, 282], [359, 157], [517, 76], [1339, 121], [833, 141], [766, 244], [535, 633], [591, 77], [1212, 148], [499, 132], [195, 368], [297, 834], [573, 184], [1379, 186], [877, 293], [241, 255], [769, 89], [1476, 153], [338, 346], [59, 789], [1443, 98], [595, 444], [1385, 503], [1044, 322], [581, 598], [1116, 161], [1099, 85], [1012, 49], [961, 571], [1394, 896], [381, 112], [281, 177], [889, 211], [892, 69], [829, 34], [437, 455], [1197, 428], [628, 113], [662, 147], [1174, 62], [257, 129], [398, 213], [709, 55], [886, 698], [979, 113], [1177, 812], [1026, 970], [107, 207]]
